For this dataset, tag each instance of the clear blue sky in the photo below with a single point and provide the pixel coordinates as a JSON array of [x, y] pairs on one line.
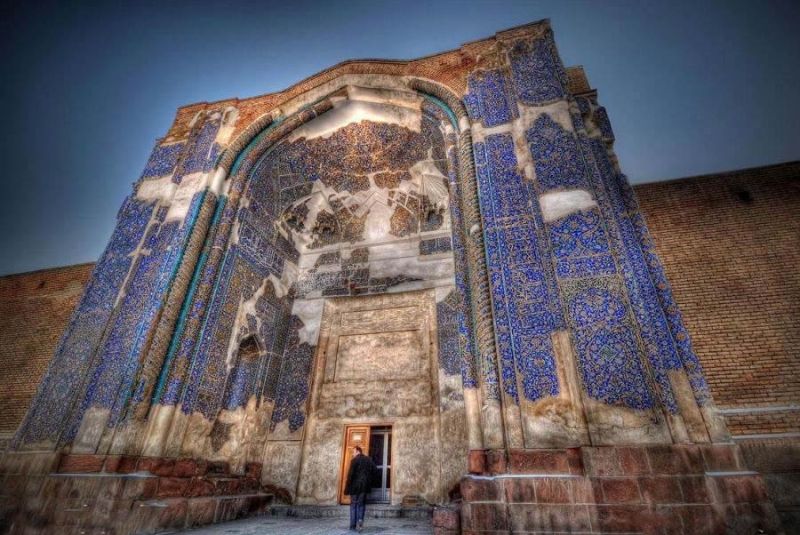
[[691, 87]]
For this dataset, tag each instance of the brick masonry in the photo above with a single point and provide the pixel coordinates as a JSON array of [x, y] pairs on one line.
[[34, 310], [730, 244]]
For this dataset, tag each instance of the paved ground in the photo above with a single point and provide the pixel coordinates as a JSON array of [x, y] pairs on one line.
[[282, 525]]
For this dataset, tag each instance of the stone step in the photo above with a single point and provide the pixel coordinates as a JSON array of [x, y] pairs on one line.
[[343, 511]]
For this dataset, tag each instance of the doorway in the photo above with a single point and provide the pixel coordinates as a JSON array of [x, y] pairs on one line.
[[375, 442], [380, 451]]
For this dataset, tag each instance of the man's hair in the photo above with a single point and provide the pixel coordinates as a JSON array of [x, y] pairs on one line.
[[359, 450]]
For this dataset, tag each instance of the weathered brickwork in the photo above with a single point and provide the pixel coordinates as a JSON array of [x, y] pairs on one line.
[[730, 244], [34, 311]]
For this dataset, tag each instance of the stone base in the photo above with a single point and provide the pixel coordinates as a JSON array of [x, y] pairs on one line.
[[778, 461], [650, 489], [343, 511], [47, 494]]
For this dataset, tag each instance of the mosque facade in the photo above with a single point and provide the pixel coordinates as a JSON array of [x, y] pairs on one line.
[[439, 260]]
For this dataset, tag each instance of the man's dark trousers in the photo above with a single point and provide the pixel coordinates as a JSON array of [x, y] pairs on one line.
[[358, 505]]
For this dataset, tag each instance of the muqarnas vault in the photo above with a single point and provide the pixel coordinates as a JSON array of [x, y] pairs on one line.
[[437, 259]]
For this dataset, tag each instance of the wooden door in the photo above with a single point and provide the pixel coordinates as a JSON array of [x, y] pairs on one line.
[[354, 435]]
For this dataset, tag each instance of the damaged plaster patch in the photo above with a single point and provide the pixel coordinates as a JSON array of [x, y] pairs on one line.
[[363, 105], [229, 117], [190, 184], [558, 111], [310, 313], [246, 307], [160, 189], [558, 204], [412, 267], [431, 182], [280, 286]]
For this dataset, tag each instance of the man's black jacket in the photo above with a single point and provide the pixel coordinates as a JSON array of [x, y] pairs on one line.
[[359, 478]]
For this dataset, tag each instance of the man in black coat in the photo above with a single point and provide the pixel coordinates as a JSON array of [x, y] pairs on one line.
[[359, 483]]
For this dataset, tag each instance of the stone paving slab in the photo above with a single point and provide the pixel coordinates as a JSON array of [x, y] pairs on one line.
[[278, 525]]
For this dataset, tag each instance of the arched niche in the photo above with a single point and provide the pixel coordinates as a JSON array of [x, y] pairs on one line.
[[356, 195]]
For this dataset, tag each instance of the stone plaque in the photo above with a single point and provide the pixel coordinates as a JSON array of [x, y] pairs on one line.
[[379, 356]]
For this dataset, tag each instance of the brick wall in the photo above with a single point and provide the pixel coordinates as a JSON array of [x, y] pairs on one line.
[[34, 311], [730, 244]]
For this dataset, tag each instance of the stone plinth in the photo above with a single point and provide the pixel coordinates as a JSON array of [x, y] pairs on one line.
[[648, 489], [45, 494]]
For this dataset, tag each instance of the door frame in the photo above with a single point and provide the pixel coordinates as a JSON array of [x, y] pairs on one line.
[[344, 463]]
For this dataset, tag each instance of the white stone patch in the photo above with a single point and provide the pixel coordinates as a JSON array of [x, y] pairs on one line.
[[385, 96], [397, 248], [378, 223], [377, 82], [558, 204], [480, 132], [442, 292], [229, 116], [281, 288], [190, 184], [246, 306], [412, 266], [289, 274], [158, 189], [431, 182], [216, 181], [558, 111], [363, 105], [310, 313]]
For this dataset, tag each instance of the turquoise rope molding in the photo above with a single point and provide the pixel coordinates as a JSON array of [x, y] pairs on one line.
[[444, 107], [187, 303], [253, 142]]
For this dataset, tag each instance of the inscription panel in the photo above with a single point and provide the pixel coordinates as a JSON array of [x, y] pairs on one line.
[[379, 356], [365, 321]]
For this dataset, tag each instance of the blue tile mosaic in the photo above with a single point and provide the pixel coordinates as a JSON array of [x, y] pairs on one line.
[[556, 156], [489, 98], [163, 160], [524, 315], [608, 354], [112, 385], [293, 387], [447, 325], [602, 122], [51, 409], [435, 246], [203, 151], [537, 72]]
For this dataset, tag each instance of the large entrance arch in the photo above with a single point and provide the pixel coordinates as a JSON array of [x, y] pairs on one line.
[[360, 199]]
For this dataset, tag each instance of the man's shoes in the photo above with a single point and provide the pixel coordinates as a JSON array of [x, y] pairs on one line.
[[360, 527]]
